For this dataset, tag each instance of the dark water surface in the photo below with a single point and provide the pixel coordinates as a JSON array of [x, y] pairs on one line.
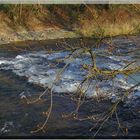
[[17, 118]]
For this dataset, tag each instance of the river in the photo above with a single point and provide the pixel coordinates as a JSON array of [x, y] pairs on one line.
[[27, 70]]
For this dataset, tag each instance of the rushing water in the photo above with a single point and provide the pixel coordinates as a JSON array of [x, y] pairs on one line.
[[24, 71]]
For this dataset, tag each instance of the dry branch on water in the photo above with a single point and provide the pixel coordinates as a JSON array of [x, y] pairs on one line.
[[93, 73]]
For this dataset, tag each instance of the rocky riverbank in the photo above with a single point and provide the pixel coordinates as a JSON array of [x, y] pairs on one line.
[[47, 33]]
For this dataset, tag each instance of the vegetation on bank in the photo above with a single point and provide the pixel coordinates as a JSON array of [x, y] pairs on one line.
[[86, 20]]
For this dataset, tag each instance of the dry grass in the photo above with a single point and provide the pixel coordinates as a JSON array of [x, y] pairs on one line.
[[92, 21], [89, 28], [112, 22]]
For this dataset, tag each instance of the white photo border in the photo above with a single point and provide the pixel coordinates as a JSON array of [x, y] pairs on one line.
[[69, 1]]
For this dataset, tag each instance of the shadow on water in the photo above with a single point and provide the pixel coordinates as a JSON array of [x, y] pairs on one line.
[[18, 118]]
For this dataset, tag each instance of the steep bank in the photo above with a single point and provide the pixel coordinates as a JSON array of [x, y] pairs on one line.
[[36, 31], [42, 22]]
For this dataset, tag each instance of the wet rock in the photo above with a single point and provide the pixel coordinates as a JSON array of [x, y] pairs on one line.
[[6, 127]]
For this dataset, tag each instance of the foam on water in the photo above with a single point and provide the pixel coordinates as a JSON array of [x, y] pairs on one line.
[[42, 68]]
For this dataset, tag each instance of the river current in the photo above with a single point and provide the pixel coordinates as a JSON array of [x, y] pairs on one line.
[[41, 67]]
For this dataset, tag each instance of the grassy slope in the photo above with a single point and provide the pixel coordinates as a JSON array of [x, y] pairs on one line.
[[90, 20], [118, 20]]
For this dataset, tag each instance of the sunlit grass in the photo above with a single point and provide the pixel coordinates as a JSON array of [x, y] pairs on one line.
[[89, 28]]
